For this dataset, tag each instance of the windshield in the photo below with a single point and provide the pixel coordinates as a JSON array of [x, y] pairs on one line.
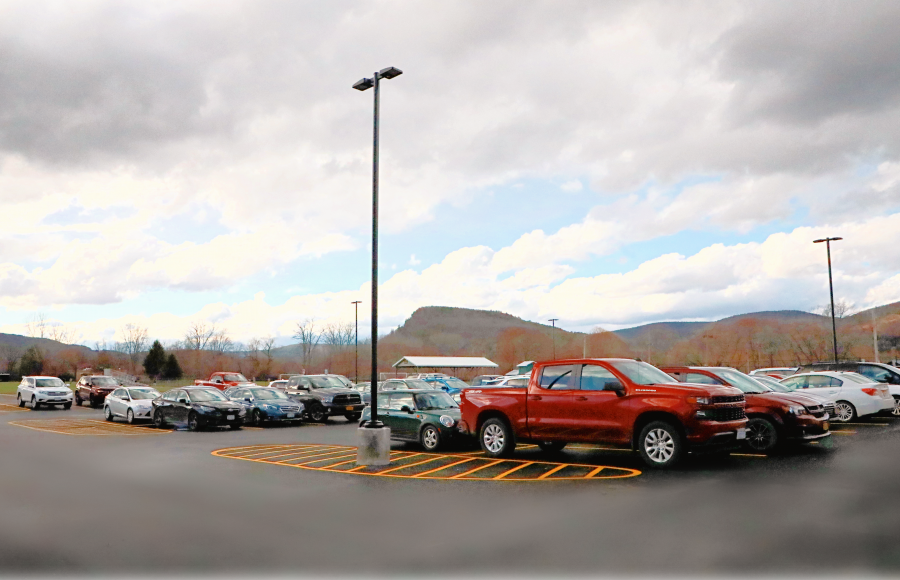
[[420, 384], [342, 379], [772, 384], [641, 373], [105, 382], [235, 378], [456, 383], [739, 380], [435, 401], [138, 394], [268, 394], [202, 396], [48, 383], [324, 383]]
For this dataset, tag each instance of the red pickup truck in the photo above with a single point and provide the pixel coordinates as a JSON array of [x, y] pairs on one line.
[[611, 401], [224, 380]]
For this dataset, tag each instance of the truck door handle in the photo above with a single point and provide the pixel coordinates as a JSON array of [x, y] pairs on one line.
[[535, 397], [581, 398]]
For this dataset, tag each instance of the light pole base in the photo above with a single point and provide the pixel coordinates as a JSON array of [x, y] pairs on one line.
[[374, 446]]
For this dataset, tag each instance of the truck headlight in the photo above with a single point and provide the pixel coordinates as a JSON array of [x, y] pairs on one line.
[[327, 399], [699, 400], [447, 421], [797, 410]]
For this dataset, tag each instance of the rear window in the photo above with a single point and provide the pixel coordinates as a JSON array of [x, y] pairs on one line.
[[557, 377]]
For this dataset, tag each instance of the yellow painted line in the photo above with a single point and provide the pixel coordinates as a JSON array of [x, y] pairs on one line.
[[749, 455], [866, 424], [292, 454], [461, 475], [13, 408], [78, 427], [334, 452], [354, 461], [444, 467], [256, 454], [323, 459], [435, 458], [238, 449], [513, 470], [595, 472], [844, 432], [552, 471]]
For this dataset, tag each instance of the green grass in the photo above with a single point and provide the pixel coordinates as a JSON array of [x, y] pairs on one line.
[[9, 387]]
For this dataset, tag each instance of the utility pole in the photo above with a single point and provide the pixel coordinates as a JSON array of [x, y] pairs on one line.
[[831, 291], [553, 335], [875, 337], [356, 304]]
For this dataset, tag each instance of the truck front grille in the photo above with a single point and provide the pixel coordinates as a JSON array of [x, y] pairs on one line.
[[353, 399], [727, 399], [726, 414]]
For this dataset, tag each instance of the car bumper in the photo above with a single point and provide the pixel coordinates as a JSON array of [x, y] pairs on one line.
[[716, 435], [808, 429], [873, 406], [278, 417], [344, 409], [208, 421], [53, 400]]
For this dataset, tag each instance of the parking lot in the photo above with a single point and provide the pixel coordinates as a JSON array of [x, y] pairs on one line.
[[81, 495]]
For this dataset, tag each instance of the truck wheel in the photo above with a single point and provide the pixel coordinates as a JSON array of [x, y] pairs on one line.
[[762, 436], [844, 411], [552, 446], [19, 400], [317, 413], [496, 438], [660, 445], [430, 438], [353, 417]]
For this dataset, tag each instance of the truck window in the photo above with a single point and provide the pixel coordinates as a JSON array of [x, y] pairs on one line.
[[595, 378], [701, 379], [557, 377]]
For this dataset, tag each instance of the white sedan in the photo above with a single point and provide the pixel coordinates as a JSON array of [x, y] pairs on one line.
[[130, 403], [43, 391], [853, 394]]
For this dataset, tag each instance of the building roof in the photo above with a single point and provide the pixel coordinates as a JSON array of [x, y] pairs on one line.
[[444, 362]]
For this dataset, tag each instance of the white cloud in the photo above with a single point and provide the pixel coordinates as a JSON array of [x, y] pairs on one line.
[[572, 186]]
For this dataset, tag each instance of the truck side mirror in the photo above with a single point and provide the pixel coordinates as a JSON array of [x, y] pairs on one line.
[[616, 386]]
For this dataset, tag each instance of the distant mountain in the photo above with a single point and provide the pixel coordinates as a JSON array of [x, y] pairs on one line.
[[23, 342]]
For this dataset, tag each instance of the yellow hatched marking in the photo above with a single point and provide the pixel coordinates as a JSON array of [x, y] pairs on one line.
[[513, 470], [227, 452], [83, 427], [324, 459], [552, 471], [290, 449], [291, 454], [457, 476], [353, 460], [256, 454], [435, 458], [595, 472], [307, 454], [444, 467], [12, 408]]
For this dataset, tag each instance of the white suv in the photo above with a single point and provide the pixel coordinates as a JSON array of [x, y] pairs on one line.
[[43, 391]]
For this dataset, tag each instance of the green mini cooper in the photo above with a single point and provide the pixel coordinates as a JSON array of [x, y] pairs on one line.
[[427, 416]]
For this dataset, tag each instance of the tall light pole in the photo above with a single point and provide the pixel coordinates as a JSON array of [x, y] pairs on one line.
[[831, 291], [553, 322], [356, 304], [363, 85]]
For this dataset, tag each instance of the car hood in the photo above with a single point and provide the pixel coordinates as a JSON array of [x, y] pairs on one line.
[[689, 389], [454, 413], [331, 391], [791, 398], [218, 404], [52, 389], [280, 403]]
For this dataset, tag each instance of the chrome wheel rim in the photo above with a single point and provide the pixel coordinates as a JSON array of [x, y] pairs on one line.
[[896, 410], [256, 418], [659, 445], [430, 438], [760, 436], [494, 438], [108, 414], [130, 416], [192, 423], [844, 411]]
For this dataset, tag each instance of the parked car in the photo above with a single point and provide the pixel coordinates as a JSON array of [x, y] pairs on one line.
[[773, 418], [365, 390], [197, 407], [773, 384], [611, 401], [341, 379], [483, 379], [223, 380], [878, 372], [509, 381], [450, 385], [406, 384], [429, 417], [775, 372], [280, 384], [264, 404], [325, 397], [130, 403], [853, 395], [93, 389], [39, 391]]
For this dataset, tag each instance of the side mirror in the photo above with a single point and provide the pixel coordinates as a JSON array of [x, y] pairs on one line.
[[406, 409], [616, 386], [247, 400], [182, 401]]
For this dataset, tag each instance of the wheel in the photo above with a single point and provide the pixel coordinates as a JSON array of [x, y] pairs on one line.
[[762, 436], [353, 417], [129, 416], [92, 402], [193, 422], [158, 420], [552, 446], [660, 444], [317, 413], [67, 406], [78, 400], [896, 410], [430, 438], [19, 400], [107, 413], [845, 412], [496, 438], [34, 404], [256, 418]]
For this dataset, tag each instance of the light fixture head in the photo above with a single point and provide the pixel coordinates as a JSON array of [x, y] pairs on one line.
[[363, 84], [390, 72]]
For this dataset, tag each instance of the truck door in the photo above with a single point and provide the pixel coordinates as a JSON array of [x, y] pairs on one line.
[[550, 404], [595, 408]]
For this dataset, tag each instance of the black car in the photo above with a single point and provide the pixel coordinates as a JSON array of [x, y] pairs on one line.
[[197, 407], [324, 396]]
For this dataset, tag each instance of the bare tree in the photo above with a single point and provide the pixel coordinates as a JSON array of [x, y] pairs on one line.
[[219, 341], [198, 335], [842, 308], [37, 326], [338, 334], [133, 343], [309, 337], [61, 333]]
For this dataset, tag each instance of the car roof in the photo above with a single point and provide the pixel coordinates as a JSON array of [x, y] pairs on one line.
[[413, 391], [39, 377]]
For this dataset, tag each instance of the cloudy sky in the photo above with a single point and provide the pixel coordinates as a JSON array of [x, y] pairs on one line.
[[602, 163]]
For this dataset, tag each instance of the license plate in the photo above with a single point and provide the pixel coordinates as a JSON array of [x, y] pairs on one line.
[[825, 426], [741, 433], [230, 417], [350, 407], [290, 415]]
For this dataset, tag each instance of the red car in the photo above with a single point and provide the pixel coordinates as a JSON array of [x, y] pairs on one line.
[[611, 401], [773, 418], [92, 389], [224, 380]]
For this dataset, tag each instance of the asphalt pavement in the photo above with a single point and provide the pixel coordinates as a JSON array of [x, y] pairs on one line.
[[139, 501]]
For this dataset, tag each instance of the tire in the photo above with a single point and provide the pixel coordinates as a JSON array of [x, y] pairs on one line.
[[844, 412], [256, 418], [762, 435], [660, 444], [430, 438], [34, 404], [551, 446], [193, 422], [92, 402], [78, 400], [129, 416], [353, 417], [158, 420], [107, 413], [19, 400], [67, 406], [496, 438], [896, 410], [317, 414]]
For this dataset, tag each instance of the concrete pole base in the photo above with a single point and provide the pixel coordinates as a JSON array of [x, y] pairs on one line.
[[374, 446]]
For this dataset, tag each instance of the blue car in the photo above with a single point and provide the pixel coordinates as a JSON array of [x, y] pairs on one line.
[[264, 404], [451, 385]]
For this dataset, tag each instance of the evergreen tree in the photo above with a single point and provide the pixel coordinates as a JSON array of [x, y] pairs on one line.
[[172, 369], [155, 361], [32, 362]]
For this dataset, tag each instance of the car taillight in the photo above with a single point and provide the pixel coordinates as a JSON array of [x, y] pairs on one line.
[[870, 391]]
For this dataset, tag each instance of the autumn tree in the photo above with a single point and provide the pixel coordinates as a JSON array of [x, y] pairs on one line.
[[133, 343]]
